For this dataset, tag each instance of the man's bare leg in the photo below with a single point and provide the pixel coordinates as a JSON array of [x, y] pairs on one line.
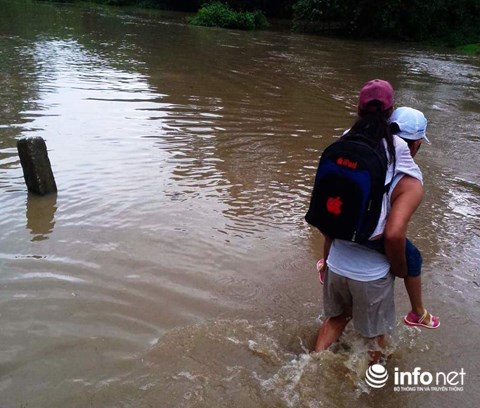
[[330, 330], [377, 355]]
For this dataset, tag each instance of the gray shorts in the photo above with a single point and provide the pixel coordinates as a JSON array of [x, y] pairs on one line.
[[371, 303]]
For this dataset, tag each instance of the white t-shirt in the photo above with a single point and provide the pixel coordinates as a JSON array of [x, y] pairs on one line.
[[356, 261]]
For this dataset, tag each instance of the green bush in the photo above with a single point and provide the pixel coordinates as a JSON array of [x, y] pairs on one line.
[[306, 13], [260, 20], [449, 21], [317, 10], [473, 49], [218, 14], [115, 2]]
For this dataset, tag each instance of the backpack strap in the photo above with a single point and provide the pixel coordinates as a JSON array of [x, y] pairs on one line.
[[388, 186]]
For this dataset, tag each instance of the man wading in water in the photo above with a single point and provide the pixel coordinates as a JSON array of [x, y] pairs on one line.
[[358, 282]]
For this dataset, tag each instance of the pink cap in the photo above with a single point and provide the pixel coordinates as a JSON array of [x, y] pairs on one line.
[[376, 90]]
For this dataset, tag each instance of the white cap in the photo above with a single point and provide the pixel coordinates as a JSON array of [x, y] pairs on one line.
[[411, 122]]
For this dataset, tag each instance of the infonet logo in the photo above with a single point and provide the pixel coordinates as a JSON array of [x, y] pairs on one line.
[[376, 376]]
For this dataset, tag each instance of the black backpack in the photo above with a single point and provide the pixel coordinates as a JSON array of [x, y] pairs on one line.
[[349, 186]]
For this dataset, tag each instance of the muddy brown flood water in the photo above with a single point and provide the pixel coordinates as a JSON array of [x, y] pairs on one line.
[[174, 267]]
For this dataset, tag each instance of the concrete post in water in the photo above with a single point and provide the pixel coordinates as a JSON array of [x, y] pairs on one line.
[[37, 170]]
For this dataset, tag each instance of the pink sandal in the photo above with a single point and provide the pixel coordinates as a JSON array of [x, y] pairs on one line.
[[412, 319], [321, 277]]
